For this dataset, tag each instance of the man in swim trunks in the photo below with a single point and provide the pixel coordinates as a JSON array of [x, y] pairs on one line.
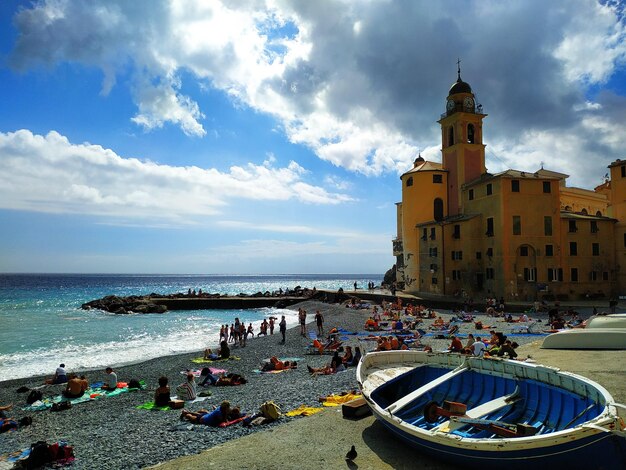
[[319, 321], [302, 318], [75, 387], [206, 417]]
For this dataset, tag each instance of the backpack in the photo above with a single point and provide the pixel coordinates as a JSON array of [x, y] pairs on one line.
[[134, 383], [39, 455], [33, 396], [270, 410]]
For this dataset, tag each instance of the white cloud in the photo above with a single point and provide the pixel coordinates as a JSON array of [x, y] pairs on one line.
[[50, 174], [362, 89]]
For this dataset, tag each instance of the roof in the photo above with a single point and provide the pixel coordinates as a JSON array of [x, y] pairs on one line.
[[426, 166], [460, 87]]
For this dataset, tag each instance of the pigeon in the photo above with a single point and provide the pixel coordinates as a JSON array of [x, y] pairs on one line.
[[351, 455]]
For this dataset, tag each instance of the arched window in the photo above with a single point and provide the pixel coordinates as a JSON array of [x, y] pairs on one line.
[[598, 214], [409, 181], [450, 136], [470, 133], [438, 209], [583, 212]]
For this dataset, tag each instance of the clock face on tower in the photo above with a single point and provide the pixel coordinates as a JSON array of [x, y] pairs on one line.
[[468, 103], [450, 105]]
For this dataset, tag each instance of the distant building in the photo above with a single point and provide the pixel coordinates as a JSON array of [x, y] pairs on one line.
[[515, 234]]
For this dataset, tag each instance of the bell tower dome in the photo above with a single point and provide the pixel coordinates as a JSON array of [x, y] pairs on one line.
[[463, 151]]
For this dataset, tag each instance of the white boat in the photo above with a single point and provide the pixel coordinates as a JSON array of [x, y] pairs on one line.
[[493, 413], [617, 320], [587, 338]]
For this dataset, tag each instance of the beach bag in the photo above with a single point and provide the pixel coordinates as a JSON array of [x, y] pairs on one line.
[[39, 455], [33, 396], [270, 410], [61, 406]]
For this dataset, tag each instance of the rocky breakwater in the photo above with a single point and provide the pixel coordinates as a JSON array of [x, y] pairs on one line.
[[126, 305]]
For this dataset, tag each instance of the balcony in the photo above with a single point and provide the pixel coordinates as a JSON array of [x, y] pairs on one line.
[[459, 108]]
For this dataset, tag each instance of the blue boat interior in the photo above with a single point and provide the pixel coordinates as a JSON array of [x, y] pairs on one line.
[[546, 407]]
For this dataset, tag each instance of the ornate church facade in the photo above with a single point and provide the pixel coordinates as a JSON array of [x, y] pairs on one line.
[[521, 235]]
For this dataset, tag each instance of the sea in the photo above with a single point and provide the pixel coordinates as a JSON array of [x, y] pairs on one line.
[[42, 323]]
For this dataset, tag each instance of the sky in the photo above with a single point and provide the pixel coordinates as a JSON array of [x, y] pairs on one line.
[[266, 137]]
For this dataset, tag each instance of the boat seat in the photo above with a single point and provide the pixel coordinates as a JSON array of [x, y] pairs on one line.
[[479, 411], [407, 399]]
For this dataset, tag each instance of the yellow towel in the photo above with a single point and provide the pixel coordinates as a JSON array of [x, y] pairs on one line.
[[303, 410], [336, 400]]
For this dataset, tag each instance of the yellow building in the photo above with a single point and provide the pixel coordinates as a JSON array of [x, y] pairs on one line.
[[515, 234]]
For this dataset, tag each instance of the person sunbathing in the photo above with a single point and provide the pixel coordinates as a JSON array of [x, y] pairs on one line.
[[438, 323], [162, 394], [222, 353], [75, 387], [371, 324], [335, 366], [456, 345], [187, 390], [348, 356], [59, 377], [276, 364], [208, 418]]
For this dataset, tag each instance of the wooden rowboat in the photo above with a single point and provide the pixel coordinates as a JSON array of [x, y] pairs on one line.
[[494, 413]]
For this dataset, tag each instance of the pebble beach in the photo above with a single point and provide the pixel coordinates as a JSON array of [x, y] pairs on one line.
[[113, 433]]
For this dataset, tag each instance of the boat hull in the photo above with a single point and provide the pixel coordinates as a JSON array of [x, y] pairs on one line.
[[617, 320], [587, 338], [399, 385]]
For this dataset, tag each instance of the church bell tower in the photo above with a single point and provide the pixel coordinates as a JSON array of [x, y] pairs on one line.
[[463, 151]]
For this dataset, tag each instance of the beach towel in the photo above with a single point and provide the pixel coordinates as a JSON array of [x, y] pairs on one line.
[[201, 360], [234, 421], [259, 371], [283, 359], [198, 372], [336, 400], [151, 406], [92, 393], [304, 410]]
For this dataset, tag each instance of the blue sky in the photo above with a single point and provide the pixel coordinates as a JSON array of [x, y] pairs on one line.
[[268, 137]]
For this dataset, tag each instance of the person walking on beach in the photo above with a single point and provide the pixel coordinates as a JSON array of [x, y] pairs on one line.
[[319, 320], [272, 320], [302, 317], [283, 328]]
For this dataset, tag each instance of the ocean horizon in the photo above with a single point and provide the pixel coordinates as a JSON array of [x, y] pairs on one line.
[[43, 324]]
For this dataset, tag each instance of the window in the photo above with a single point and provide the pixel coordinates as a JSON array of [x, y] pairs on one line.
[[409, 181], [623, 171], [490, 228], [547, 226], [555, 274], [547, 187], [438, 209], [432, 252], [593, 276], [517, 225], [489, 252], [523, 250], [489, 273], [625, 239], [573, 274], [573, 248], [515, 186], [433, 233], [433, 268], [572, 226], [433, 280], [456, 275], [595, 249], [549, 250], [479, 255], [437, 178], [450, 136], [605, 276], [598, 214], [530, 274], [470, 133], [489, 189], [425, 234], [457, 232], [457, 255], [594, 225], [471, 194]]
